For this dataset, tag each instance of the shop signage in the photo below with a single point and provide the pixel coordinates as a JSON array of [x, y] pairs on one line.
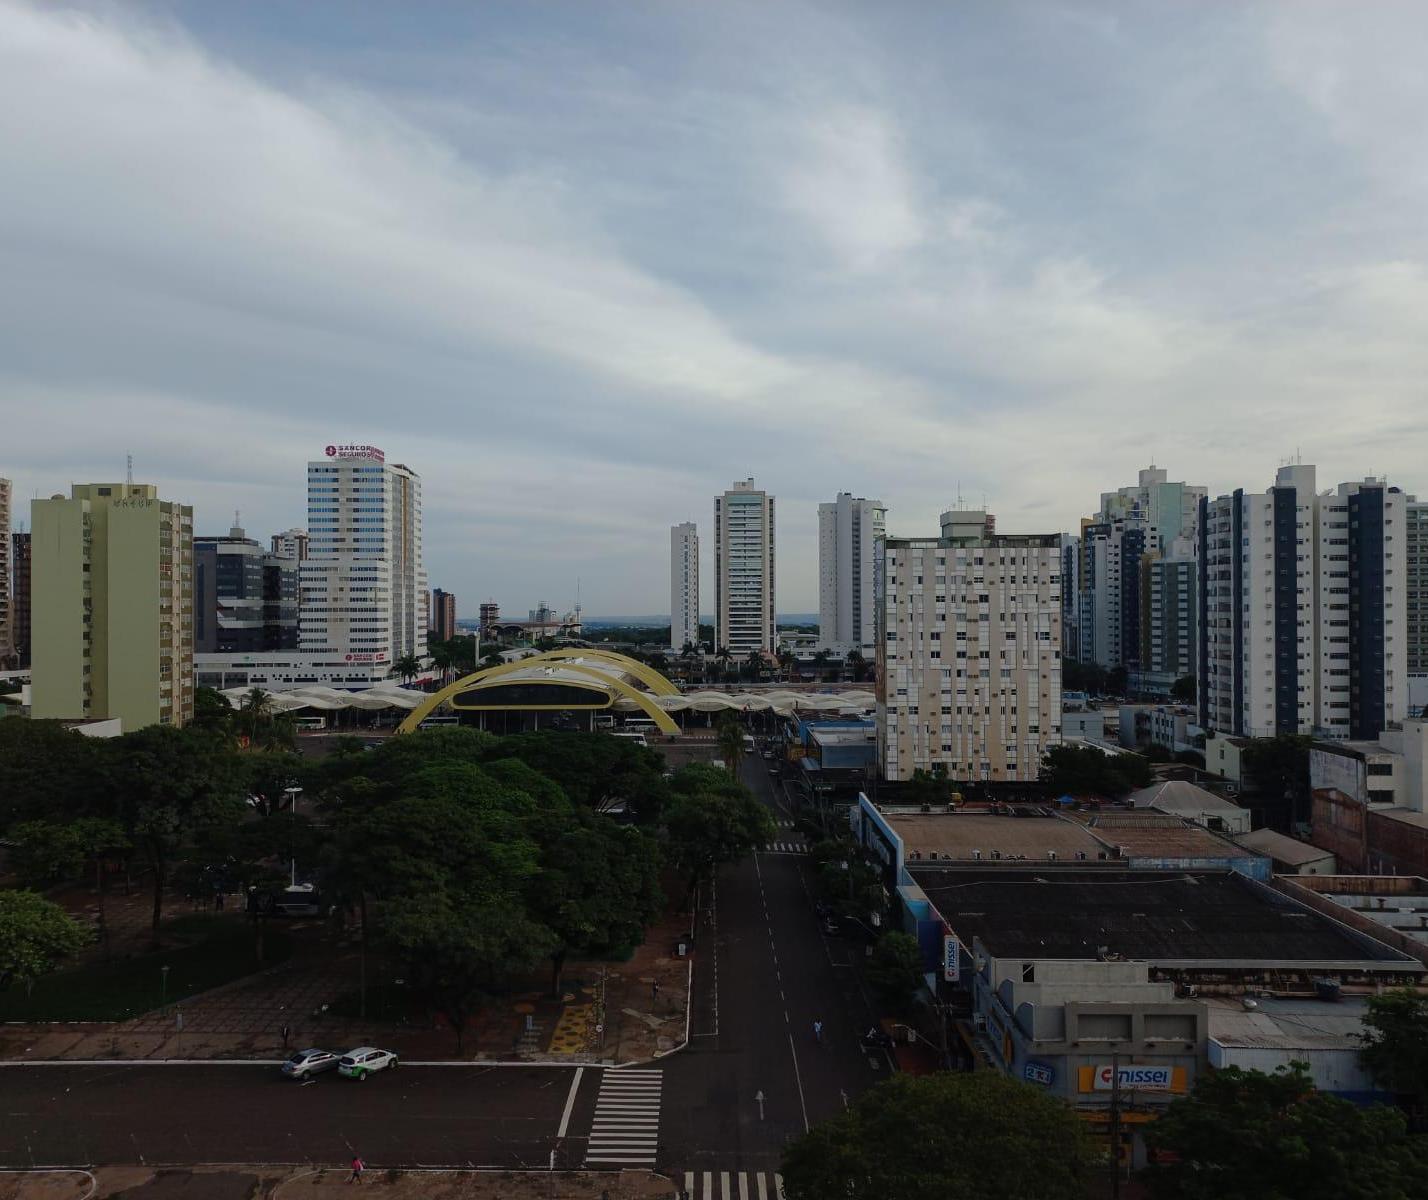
[[356, 452], [1035, 1072], [366, 657], [951, 958], [1133, 1078]]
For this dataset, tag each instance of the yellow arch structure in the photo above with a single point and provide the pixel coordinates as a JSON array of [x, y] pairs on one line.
[[647, 675], [662, 719]]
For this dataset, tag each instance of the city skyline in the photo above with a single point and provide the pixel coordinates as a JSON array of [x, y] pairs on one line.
[[930, 267]]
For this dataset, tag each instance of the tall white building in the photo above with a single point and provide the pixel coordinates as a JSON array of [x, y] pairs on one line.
[[744, 592], [969, 652], [364, 590], [1303, 609], [849, 530], [683, 586], [1142, 519]]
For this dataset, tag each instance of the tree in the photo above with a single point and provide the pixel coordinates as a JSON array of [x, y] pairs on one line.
[[822, 660], [1276, 770], [268, 777], [1183, 690], [895, 970], [596, 771], [211, 711], [1246, 1135], [1082, 677], [948, 1136], [857, 665], [47, 772], [407, 667], [1395, 1042], [711, 820], [787, 660], [1084, 770], [170, 783], [34, 934], [729, 737]]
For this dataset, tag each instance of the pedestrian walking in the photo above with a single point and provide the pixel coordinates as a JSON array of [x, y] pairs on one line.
[[818, 1032], [285, 1035], [358, 1166], [654, 992]]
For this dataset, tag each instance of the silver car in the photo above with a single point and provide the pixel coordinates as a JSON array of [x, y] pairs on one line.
[[306, 1063]]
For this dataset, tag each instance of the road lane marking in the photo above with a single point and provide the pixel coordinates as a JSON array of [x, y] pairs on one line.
[[624, 1129], [570, 1102], [798, 1076]]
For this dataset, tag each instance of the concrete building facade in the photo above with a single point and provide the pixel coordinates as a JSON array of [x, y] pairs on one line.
[[364, 589], [1170, 608], [1070, 596], [245, 599], [683, 586], [745, 570], [443, 614], [1303, 609], [1416, 599], [291, 543], [849, 531], [112, 606], [7, 601], [969, 652], [20, 559]]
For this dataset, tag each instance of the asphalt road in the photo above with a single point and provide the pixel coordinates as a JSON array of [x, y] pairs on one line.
[[764, 973]]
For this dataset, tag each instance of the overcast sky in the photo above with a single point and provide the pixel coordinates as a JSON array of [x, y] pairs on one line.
[[582, 265]]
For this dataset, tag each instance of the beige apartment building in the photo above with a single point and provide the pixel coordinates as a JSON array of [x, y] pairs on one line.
[[969, 652], [112, 611]]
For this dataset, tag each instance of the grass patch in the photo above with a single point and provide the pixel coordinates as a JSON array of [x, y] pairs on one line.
[[222, 950]]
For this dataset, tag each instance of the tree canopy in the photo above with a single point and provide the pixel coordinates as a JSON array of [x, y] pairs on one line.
[[1246, 1135], [949, 1136], [1395, 1041], [1086, 771], [34, 935]]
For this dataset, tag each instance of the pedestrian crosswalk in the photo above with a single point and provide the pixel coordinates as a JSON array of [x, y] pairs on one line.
[[786, 848], [625, 1129], [733, 1185], [785, 823]]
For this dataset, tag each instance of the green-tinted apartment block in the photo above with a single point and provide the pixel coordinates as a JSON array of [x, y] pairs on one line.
[[112, 606]]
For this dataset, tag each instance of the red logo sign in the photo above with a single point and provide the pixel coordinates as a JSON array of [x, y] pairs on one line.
[[332, 452]]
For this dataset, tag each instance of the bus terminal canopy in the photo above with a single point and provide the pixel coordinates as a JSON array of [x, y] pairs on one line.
[[580, 679], [326, 699]]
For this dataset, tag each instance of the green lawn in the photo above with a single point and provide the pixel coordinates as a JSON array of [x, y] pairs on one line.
[[218, 949]]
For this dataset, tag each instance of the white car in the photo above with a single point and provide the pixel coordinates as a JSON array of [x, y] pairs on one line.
[[361, 1062]]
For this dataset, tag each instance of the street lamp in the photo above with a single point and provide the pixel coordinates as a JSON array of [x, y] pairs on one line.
[[164, 987], [292, 794]]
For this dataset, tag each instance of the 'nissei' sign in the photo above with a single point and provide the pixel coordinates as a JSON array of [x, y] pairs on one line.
[[1141, 1079]]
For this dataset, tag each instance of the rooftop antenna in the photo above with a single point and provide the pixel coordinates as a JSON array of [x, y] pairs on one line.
[[129, 470]]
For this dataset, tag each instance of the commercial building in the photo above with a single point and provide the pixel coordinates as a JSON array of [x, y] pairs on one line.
[[683, 586], [1171, 726], [969, 652], [443, 615], [744, 570], [20, 559], [245, 599], [364, 589], [1302, 609], [291, 543], [850, 530], [1150, 518], [1289, 855], [1181, 798], [112, 606], [7, 602]]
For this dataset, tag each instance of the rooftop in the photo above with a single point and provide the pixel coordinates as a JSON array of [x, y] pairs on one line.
[[1182, 796], [1287, 1022], [1282, 848], [864, 733], [1200, 919], [956, 835], [1159, 835]]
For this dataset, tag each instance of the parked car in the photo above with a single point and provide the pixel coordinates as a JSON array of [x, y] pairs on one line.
[[306, 1063], [363, 1061]]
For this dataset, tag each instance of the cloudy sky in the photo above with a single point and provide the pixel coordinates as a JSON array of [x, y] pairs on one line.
[[581, 265]]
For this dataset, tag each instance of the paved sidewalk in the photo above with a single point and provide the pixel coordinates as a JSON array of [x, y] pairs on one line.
[[286, 1183], [244, 1019]]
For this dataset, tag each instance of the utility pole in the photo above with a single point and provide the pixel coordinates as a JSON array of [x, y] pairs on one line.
[[1115, 1127]]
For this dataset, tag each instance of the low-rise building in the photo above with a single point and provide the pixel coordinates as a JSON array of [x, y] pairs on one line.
[[1183, 799], [1170, 726], [283, 670], [1288, 855], [1222, 756]]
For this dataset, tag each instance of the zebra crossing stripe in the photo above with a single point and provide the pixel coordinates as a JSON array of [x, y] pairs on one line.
[[733, 1185], [625, 1128]]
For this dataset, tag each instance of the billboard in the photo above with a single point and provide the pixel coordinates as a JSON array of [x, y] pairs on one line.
[[352, 451], [1135, 1078]]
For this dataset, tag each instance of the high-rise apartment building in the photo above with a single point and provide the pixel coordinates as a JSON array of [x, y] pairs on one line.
[[1170, 606], [291, 543], [744, 592], [490, 614], [1070, 596], [443, 615], [7, 603], [683, 586], [1417, 597], [112, 606], [245, 599], [1144, 518], [20, 596], [969, 652], [364, 590], [1303, 609], [849, 530]]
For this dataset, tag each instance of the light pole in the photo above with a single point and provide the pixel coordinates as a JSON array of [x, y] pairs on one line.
[[292, 794], [164, 988]]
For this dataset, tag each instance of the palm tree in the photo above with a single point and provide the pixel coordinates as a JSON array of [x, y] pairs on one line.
[[821, 661], [755, 664], [787, 659], [442, 658], [407, 667], [730, 739], [254, 712], [857, 665]]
